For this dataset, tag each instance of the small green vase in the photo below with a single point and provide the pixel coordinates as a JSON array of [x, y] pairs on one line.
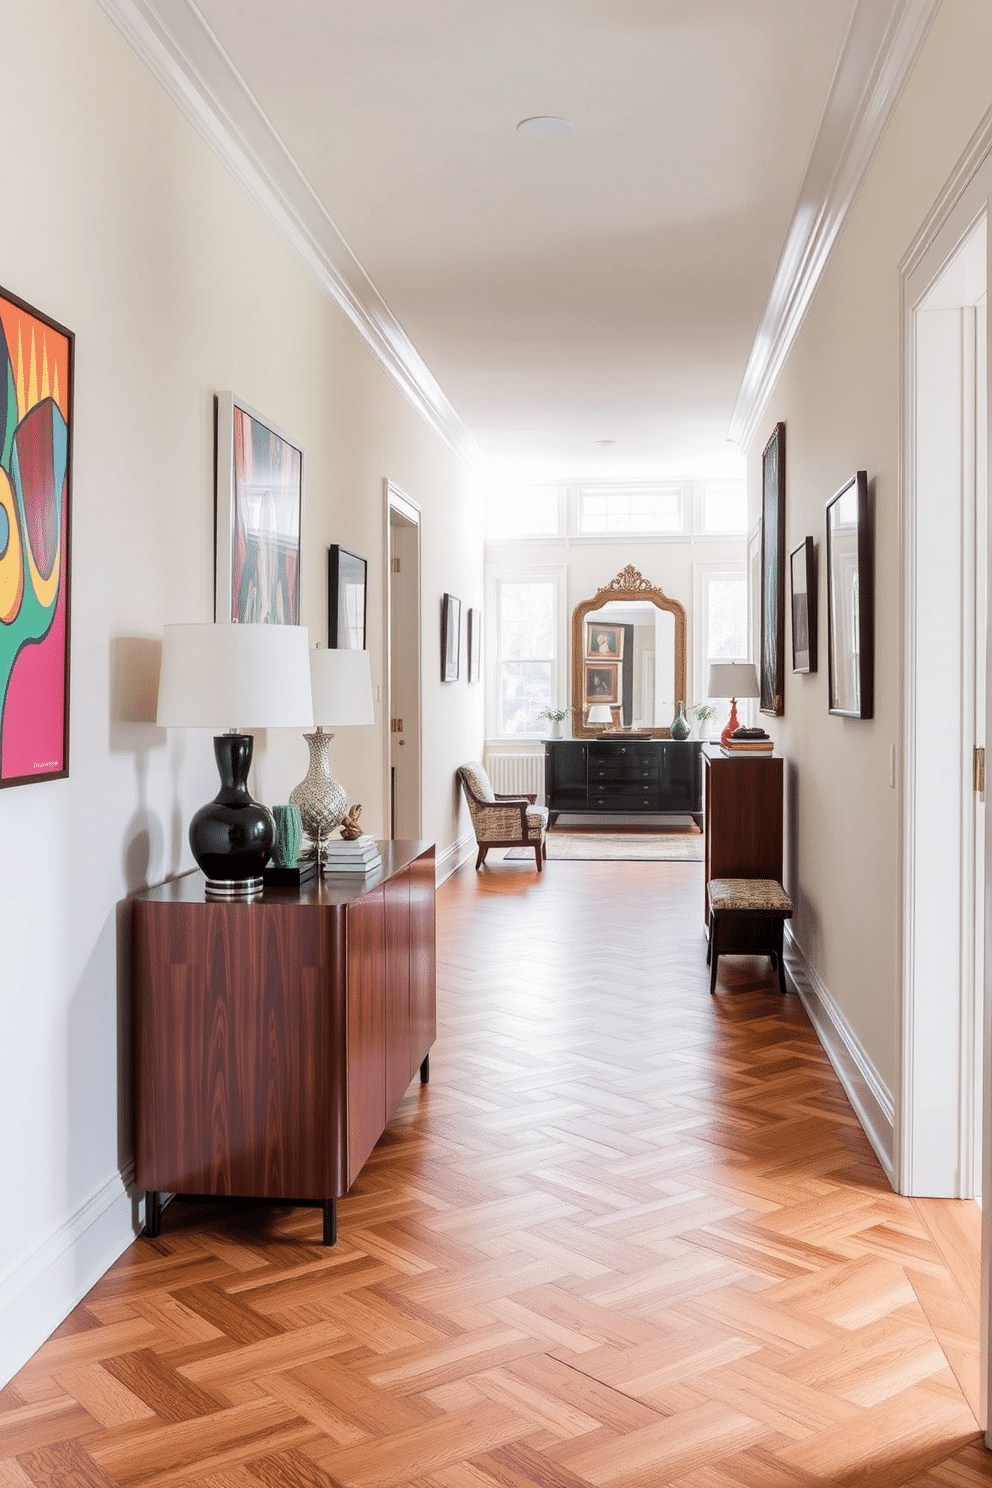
[[289, 835], [680, 727]]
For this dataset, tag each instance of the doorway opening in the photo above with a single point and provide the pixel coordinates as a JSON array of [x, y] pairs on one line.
[[403, 688], [947, 562]]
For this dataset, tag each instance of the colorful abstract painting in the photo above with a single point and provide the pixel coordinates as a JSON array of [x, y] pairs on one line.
[[35, 460], [259, 518]]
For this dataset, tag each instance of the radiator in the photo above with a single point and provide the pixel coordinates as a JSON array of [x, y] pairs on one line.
[[517, 774]]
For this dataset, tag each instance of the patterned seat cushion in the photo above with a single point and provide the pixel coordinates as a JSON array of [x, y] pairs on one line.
[[478, 782], [537, 816], [760, 895]]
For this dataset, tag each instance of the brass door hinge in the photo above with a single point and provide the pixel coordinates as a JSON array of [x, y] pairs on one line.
[[397, 725], [980, 771]]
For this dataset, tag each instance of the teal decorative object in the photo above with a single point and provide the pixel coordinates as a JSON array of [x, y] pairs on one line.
[[289, 835], [680, 727]]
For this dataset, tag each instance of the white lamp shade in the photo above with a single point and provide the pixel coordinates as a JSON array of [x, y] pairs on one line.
[[733, 679], [342, 687], [599, 713], [235, 677]]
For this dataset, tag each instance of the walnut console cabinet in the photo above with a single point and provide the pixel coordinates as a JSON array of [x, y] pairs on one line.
[[275, 1038]]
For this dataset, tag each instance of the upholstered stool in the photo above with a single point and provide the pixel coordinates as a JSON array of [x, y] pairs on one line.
[[747, 915]]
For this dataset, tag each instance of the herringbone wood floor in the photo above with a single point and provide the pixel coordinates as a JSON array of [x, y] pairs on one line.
[[629, 1235]]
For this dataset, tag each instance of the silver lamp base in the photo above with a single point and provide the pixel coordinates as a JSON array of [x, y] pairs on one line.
[[233, 888], [322, 801]]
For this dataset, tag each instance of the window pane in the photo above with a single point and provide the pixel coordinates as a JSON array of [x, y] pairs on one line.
[[524, 689], [725, 508], [526, 621], [726, 619], [530, 513], [647, 509]]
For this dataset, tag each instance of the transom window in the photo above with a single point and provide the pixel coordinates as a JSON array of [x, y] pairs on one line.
[[650, 509]]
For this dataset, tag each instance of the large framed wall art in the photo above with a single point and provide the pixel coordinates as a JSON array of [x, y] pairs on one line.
[[35, 570], [772, 673], [258, 516]]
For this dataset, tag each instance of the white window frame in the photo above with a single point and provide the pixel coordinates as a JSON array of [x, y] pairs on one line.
[[632, 488], [703, 575], [496, 576], [561, 528]]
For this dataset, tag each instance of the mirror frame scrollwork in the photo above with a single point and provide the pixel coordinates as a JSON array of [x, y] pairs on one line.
[[629, 584]]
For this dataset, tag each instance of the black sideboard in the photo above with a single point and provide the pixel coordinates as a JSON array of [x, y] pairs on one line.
[[597, 776]]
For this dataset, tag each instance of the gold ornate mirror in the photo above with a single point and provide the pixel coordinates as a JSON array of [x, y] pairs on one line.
[[628, 658]]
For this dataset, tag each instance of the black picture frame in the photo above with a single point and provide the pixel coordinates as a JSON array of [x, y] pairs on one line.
[[802, 568], [772, 670], [347, 598], [851, 599], [474, 644], [451, 630]]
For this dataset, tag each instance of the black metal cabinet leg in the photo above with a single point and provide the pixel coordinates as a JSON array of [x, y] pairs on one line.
[[153, 1213], [330, 1208], [714, 948], [425, 1070]]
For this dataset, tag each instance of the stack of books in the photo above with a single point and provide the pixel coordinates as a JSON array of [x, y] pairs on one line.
[[359, 857], [749, 741]]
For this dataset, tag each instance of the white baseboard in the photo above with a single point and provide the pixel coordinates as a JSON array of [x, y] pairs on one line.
[[40, 1290], [448, 862], [864, 1087]]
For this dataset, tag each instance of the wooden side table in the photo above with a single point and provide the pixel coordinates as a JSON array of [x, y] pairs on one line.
[[274, 1038], [743, 804]]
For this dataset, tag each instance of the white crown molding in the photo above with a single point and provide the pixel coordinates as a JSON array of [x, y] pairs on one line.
[[175, 43], [881, 46]]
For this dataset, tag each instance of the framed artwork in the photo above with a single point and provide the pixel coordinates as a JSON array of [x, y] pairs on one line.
[[601, 682], [258, 518], [451, 626], [35, 568], [802, 565], [474, 641], [851, 600], [772, 669], [603, 640], [347, 581]]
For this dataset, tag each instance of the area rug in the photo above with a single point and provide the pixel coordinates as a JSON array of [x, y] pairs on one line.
[[606, 847]]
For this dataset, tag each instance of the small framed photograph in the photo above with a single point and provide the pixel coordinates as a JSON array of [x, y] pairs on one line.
[[602, 682], [603, 640], [802, 563], [451, 626], [258, 518], [347, 575], [851, 600], [474, 643]]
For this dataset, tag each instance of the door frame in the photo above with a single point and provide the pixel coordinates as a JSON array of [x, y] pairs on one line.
[[396, 501], [922, 1165]]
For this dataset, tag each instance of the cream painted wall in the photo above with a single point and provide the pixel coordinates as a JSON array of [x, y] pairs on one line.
[[120, 223], [839, 395]]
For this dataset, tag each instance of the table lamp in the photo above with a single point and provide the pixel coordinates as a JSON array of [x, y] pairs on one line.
[[341, 682], [238, 676], [733, 680]]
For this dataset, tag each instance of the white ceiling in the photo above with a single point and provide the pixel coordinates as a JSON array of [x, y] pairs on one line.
[[608, 285]]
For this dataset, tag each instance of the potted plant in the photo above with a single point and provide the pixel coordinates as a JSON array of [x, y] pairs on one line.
[[704, 712], [556, 717]]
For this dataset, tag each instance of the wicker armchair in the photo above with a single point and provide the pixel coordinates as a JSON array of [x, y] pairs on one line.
[[502, 821]]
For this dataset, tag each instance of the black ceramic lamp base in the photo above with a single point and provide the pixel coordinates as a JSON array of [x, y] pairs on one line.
[[231, 837]]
